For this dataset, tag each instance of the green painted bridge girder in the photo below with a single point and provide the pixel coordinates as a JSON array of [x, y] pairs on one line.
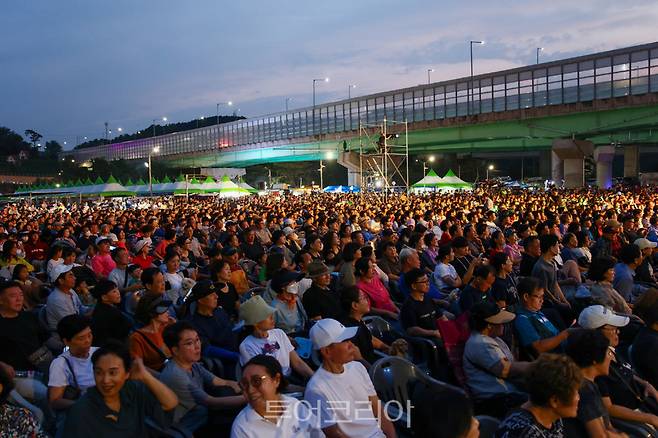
[[632, 125]]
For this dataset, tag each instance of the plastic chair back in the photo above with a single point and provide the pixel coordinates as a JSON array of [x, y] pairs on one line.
[[488, 426], [304, 347]]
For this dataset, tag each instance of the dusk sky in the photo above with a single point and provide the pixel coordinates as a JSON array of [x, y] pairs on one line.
[[66, 67]]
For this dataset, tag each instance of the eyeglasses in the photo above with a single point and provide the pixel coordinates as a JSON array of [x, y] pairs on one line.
[[539, 297], [426, 280], [254, 381]]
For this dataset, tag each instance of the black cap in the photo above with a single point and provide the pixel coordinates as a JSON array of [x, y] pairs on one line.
[[151, 305], [282, 278], [202, 289]]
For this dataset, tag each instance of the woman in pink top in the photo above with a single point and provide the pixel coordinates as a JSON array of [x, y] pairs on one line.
[[369, 282]]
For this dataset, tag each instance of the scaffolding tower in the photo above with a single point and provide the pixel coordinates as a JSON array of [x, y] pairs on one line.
[[384, 156]]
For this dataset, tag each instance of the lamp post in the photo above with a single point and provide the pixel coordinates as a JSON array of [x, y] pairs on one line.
[[155, 150], [470, 88], [431, 159], [229, 103], [322, 166], [349, 90], [489, 167], [197, 121], [288, 99], [314, 81], [164, 119], [539, 49], [429, 77]]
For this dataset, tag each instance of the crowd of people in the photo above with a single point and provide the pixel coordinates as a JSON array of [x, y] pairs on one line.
[[253, 316]]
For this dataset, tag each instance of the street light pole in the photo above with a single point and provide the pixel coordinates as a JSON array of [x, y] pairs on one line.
[[489, 167], [349, 90], [229, 103], [429, 71], [314, 81], [155, 150], [288, 99], [470, 88], [322, 166], [539, 49]]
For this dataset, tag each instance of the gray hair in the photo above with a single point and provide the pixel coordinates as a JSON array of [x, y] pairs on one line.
[[406, 253]]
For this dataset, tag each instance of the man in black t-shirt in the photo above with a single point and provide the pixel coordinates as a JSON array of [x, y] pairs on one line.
[[319, 301], [419, 313], [478, 290]]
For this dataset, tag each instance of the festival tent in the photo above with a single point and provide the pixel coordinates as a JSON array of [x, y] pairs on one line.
[[431, 182], [111, 187], [229, 189], [246, 186], [191, 187], [453, 182], [209, 185]]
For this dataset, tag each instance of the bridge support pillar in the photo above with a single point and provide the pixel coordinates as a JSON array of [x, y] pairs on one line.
[[352, 162], [603, 155], [631, 161], [557, 168], [573, 152]]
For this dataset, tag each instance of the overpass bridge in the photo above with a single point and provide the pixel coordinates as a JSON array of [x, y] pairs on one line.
[[566, 109]]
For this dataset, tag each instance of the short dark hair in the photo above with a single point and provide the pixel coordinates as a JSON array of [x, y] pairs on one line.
[[587, 347], [6, 285], [103, 287], [444, 251], [272, 368], [552, 375], [171, 334], [349, 251], [483, 271], [361, 267], [148, 275], [628, 253], [547, 241], [599, 267], [498, 260], [412, 276], [459, 242], [71, 325], [528, 240], [527, 285], [348, 296], [116, 348], [453, 419]]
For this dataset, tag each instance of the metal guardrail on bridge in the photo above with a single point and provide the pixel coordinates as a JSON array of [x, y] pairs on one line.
[[621, 72]]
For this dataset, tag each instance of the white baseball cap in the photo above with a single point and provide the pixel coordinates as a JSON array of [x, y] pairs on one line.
[[60, 269], [329, 331], [643, 243], [597, 316]]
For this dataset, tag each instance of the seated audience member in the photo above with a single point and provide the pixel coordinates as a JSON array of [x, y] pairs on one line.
[[343, 380], [356, 304], [445, 275], [535, 332], [263, 338], [589, 349], [503, 289], [319, 300], [464, 263], [351, 254], [479, 289], [71, 373], [16, 421], [369, 282], [289, 314], [107, 320], [146, 343], [238, 276], [270, 413], [644, 353], [142, 258], [193, 384], [622, 390], [489, 365], [212, 323], [552, 383], [419, 312], [124, 395], [389, 261], [454, 420], [63, 300], [602, 273], [30, 285], [23, 349], [630, 258], [531, 253], [120, 275], [227, 296], [102, 263]]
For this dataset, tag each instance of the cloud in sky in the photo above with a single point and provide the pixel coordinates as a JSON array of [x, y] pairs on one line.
[[67, 67]]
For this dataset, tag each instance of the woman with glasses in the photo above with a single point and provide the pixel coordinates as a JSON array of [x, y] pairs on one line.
[[625, 395], [270, 413], [535, 332]]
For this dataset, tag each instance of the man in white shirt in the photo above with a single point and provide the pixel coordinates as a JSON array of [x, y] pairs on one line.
[[341, 390]]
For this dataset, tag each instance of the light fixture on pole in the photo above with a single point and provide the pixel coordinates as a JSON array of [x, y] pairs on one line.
[[470, 88], [489, 168], [431, 159], [229, 103], [349, 90], [539, 49], [155, 150], [164, 119], [314, 81], [322, 166], [429, 77]]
